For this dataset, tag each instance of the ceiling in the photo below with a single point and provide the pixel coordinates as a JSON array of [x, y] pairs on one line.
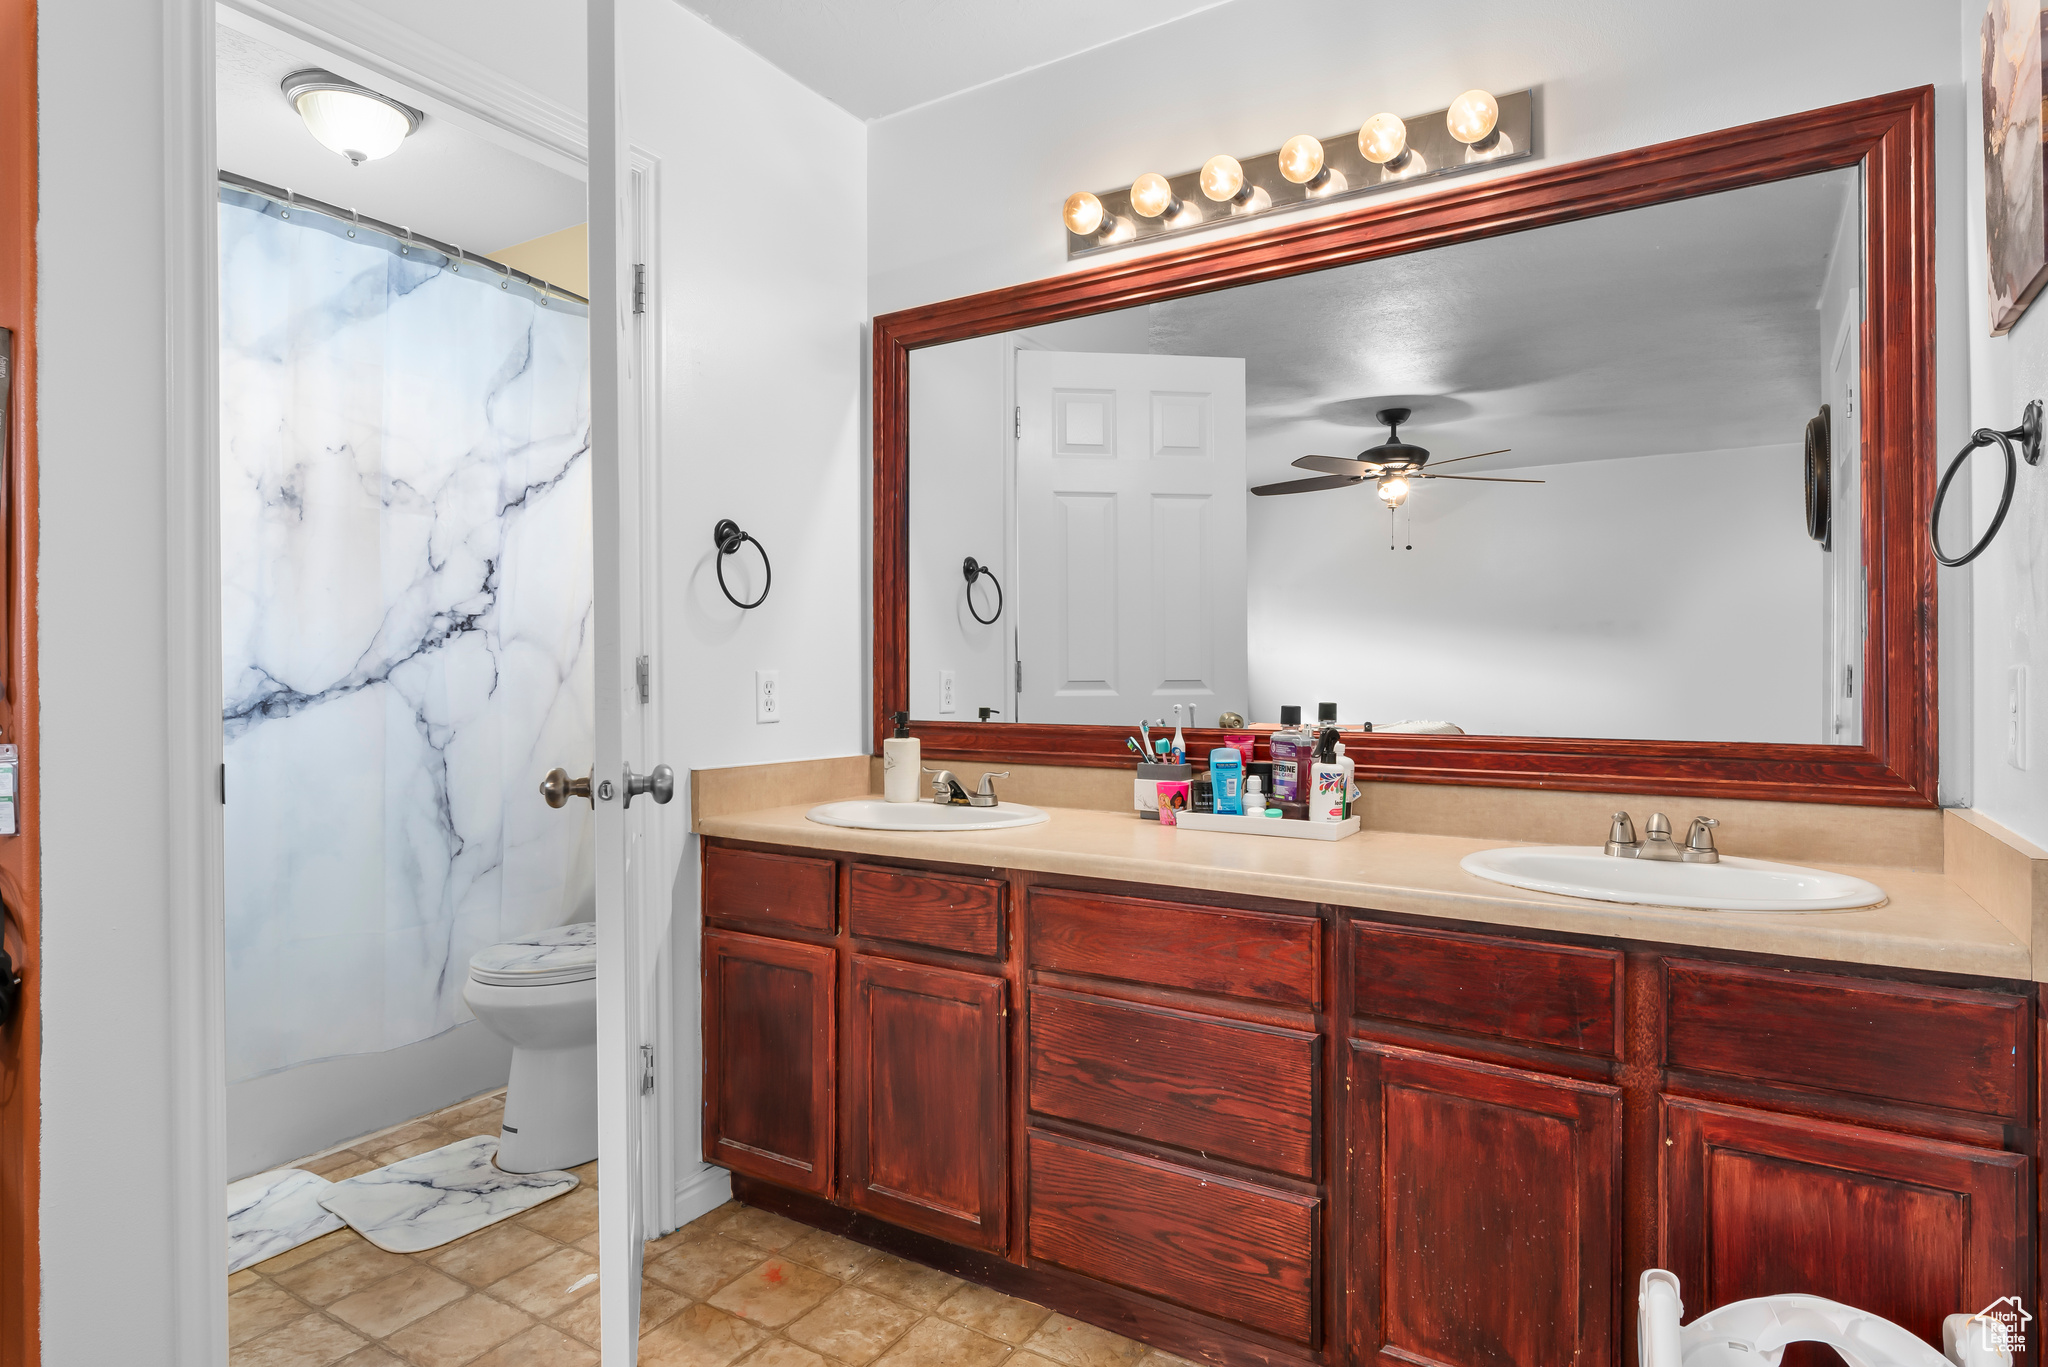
[[1686, 326], [445, 181], [875, 58]]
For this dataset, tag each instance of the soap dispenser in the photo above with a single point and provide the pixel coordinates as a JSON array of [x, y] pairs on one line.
[[901, 762]]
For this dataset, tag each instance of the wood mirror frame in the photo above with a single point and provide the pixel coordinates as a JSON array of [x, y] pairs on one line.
[[1891, 137]]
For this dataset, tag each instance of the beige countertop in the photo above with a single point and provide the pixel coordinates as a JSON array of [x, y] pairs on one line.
[[1928, 922]]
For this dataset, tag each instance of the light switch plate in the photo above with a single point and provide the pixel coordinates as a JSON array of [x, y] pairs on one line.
[[946, 703], [767, 696], [2016, 717]]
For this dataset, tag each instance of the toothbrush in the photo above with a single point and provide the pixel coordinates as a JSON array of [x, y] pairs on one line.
[[1180, 746]]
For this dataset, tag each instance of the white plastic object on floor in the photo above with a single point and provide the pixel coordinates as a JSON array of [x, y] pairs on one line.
[[1753, 1333]]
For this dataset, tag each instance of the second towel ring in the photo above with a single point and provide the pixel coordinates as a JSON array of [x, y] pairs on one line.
[[972, 569], [728, 537], [2028, 435]]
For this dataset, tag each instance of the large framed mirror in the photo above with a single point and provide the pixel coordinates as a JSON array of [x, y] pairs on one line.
[[1608, 476]]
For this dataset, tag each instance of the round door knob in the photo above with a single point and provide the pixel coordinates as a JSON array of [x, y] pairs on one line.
[[659, 784], [557, 788]]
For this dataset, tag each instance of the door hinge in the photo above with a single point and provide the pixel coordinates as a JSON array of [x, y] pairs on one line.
[[1020, 676], [1017, 423], [642, 668], [639, 287], [1848, 681], [223, 784], [646, 1069]]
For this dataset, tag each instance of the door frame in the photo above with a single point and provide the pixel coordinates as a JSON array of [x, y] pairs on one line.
[[195, 968]]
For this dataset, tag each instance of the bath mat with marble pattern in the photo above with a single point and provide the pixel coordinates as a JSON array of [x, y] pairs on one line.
[[436, 1197], [274, 1212]]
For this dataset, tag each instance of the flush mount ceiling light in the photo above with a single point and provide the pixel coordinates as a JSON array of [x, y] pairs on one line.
[[1477, 129], [349, 119]]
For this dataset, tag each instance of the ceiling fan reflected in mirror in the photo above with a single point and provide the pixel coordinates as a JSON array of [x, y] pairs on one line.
[[1392, 467]]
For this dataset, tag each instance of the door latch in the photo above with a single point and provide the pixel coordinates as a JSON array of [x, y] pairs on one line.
[[646, 1069]]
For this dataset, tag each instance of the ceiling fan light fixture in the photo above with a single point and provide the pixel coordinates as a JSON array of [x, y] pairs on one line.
[[1393, 490], [348, 119]]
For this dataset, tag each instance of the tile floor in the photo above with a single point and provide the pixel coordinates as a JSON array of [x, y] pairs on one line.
[[739, 1286]]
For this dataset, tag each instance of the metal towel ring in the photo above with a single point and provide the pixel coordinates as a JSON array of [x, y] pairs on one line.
[[728, 537], [2028, 434], [973, 570]]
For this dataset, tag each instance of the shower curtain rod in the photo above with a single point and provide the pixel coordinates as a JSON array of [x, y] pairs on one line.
[[292, 200]]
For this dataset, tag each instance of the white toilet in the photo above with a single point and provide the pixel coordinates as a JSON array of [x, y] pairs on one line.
[[540, 993]]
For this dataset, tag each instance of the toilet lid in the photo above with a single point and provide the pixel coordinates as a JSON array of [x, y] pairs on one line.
[[565, 954]]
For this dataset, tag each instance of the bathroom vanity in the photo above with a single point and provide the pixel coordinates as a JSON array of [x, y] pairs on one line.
[[1254, 1129]]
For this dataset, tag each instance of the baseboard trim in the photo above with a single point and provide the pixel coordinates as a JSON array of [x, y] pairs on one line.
[[701, 1193]]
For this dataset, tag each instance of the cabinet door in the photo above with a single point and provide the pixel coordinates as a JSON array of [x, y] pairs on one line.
[[927, 1143], [768, 1047], [1484, 1217], [1757, 1204]]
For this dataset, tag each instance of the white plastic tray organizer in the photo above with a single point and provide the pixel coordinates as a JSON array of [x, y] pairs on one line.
[[1266, 825]]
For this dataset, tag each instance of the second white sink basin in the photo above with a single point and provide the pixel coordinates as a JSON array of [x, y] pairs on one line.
[[1731, 885], [873, 814]]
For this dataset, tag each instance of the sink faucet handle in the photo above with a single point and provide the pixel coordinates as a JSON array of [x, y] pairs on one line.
[[946, 788], [1699, 842], [1621, 836], [985, 796]]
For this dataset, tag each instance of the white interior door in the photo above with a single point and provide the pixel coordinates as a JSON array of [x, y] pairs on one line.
[[633, 838], [1846, 608], [1131, 536]]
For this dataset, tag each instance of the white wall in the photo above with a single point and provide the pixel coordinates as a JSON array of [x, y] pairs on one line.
[[1659, 598], [761, 324], [2009, 582], [1610, 75], [959, 447]]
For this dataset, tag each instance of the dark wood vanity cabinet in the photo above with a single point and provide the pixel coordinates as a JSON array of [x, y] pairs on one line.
[[926, 1093], [1271, 1133]]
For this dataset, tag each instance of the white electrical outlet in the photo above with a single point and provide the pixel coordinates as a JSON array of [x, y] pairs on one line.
[[946, 703], [767, 696], [2016, 717]]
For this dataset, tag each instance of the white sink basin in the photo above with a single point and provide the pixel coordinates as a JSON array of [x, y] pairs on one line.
[[1731, 885], [873, 814]]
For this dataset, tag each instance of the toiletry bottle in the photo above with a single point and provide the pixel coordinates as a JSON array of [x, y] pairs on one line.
[[1201, 794], [1326, 715], [1226, 777], [901, 762], [1254, 796], [1350, 768], [1326, 781], [1291, 752]]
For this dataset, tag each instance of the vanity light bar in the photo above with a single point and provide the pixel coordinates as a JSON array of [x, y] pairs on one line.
[[1385, 152]]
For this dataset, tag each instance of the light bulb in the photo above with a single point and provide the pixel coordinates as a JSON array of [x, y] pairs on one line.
[[1393, 491], [347, 119], [1383, 138], [1222, 178], [1301, 159], [1083, 213], [1491, 149], [1472, 116], [1151, 196]]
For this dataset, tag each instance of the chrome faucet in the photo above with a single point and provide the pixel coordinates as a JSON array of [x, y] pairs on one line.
[[1657, 842], [986, 795], [946, 789]]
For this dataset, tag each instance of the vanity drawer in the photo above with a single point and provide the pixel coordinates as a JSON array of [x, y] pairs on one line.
[[1552, 995], [1945, 1048], [1169, 944], [751, 888], [1228, 1089], [939, 910], [1224, 1247]]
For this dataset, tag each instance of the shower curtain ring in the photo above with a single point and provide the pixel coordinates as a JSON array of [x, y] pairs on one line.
[[290, 203], [406, 250], [506, 283], [357, 215], [460, 257]]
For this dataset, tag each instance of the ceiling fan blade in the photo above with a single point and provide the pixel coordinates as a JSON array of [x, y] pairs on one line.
[[1338, 465], [1455, 459], [1307, 486], [1480, 479]]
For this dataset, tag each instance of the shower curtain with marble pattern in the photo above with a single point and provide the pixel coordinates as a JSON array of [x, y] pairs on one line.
[[406, 596]]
